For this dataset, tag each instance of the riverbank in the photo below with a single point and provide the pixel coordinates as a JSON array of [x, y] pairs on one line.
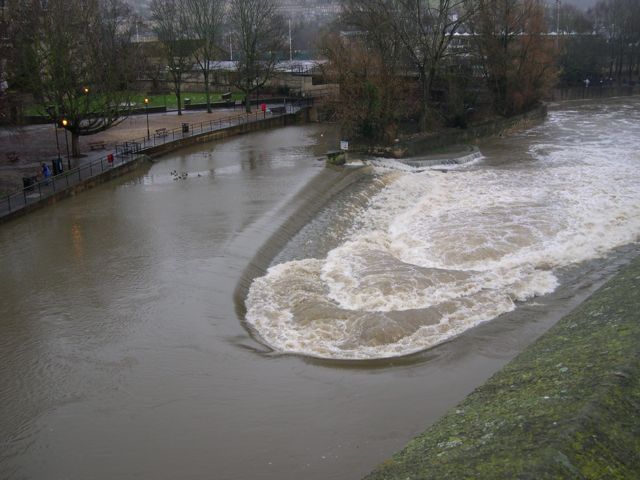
[[23, 149], [567, 407], [452, 138], [127, 155], [149, 361]]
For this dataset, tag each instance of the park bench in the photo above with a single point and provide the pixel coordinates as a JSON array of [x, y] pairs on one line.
[[161, 132], [278, 110], [97, 145]]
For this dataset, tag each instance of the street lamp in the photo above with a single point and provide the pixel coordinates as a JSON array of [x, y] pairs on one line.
[[257, 93], [85, 92], [65, 123], [146, 110], [51, 110]]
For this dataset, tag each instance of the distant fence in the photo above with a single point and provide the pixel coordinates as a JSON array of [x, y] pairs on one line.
[[129, 151], [593, 91]]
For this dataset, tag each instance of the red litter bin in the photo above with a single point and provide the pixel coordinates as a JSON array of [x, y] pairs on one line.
[[110, 158]]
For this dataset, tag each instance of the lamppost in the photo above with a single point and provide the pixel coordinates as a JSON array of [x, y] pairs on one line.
[[52, 114], [55, 125], [65, 123], [257, 93], [85, 91], [146, 110]]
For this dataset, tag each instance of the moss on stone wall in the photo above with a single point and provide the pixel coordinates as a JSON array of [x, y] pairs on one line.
[[566, 408]]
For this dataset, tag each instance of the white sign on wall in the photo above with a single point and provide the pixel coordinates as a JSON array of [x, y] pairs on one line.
[[344, 145]]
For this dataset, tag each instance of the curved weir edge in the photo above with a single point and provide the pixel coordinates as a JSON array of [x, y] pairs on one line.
[[306, 204], [567, 407]]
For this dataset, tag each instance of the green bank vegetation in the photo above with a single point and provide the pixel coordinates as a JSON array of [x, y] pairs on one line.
[[568, 407]]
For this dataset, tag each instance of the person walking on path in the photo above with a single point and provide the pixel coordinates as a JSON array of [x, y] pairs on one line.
[[46, 173]]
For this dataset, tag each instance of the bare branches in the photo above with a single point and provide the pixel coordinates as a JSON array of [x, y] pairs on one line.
[[76, 57], [259, 32], [170, 24], [204, 20], [423, 29], [516, 55]]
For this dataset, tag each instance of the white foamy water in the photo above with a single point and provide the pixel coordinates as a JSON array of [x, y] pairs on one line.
[[436, 253]]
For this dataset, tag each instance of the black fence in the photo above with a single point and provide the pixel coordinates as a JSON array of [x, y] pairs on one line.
[[34, 191]]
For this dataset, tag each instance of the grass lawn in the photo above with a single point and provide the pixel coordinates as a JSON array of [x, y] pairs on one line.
[[168, 100]]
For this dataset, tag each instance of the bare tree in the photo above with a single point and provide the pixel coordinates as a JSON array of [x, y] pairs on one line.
[[368, 62], [517, 58], [425, 29], [371, 90], [170, 24], [259, 32], [204, 19], [619, 21], [77, 59]]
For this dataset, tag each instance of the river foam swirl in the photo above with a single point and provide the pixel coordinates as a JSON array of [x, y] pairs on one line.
[[437, 252]]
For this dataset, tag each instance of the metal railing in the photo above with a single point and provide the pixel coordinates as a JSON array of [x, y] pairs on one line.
[[47, 187], [128, 151]]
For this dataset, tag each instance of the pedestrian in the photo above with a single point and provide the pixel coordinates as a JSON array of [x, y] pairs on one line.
[[46, 173]]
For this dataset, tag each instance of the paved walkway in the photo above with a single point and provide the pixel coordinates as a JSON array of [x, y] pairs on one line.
[[121, 145], [34, 144]]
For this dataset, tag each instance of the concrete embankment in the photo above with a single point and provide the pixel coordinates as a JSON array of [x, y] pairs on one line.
[[79, 187], [81, 184], [567, 407], [242, 128]]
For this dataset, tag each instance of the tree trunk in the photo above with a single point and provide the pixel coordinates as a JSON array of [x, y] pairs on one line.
[[247, 103], [75, 144], [424, 104], [179, 100], [205, 73]]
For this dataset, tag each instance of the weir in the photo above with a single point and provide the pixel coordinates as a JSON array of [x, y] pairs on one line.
[[303, 207], [452, 159], [440, 251]]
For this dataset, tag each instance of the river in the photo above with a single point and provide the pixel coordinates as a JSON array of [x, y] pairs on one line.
[[125, 352]]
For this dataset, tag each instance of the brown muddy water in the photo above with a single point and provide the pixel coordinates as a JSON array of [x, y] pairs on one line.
[[124, 348]]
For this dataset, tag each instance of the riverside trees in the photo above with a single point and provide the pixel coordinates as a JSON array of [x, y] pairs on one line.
[[171, 26], [618, 21], [424, 30], [204, 21], [515, 54], [499, 42], [77, 58], [258, 30], [191, 30]]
